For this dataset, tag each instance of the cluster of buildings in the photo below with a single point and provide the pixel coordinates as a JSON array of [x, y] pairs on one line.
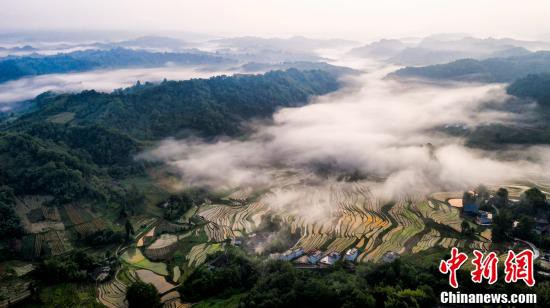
[[483, 218], [316, 257]]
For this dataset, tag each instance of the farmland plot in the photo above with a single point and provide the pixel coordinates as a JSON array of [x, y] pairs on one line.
[[163, 247], [87, 228], [35, 203], [441, 213], [112, 294], [351, 216], [14, 292], [134, 257], [200, 252], [408, 225], [149, 235], [75, 215], [158, 281], [444, 196], [44, 244], [427, 241], [243, 218]]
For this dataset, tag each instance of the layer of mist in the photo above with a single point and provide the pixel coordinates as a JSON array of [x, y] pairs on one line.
[[385, 131], [100, 80]]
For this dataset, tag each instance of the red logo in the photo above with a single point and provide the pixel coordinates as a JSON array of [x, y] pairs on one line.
[[484, 267], [452, 265], [517, 267]]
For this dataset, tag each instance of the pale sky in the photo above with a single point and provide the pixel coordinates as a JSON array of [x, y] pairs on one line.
[[360, 19]]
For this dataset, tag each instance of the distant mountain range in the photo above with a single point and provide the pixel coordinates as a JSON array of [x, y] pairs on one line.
[[12, 68], [147, 42], [26, 48], [276, 50], [255, 67], [294, 44], [438, 49], [490, 70]]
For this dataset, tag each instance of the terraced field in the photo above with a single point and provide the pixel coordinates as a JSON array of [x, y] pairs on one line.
[[335, 218], [74, 215], [48, 243], [158, 281], [440, 213], [90, 227], [163, 247], [135, 258], [406, 225], [14, 292], [199, 252], [225, 218], [51, 217], [112, 294]]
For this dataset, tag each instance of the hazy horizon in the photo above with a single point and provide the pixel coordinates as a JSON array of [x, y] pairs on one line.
[[365, 20]]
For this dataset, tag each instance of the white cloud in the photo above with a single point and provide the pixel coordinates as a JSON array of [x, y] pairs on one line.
[[379, 127], [101, 80]]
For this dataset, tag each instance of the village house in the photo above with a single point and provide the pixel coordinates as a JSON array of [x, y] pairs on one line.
[[291, 254], [351, 254], [314, 256], [470, 209], [484, 218], [331, 258]]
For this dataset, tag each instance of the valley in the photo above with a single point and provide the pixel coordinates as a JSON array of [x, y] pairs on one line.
[[268, 172]]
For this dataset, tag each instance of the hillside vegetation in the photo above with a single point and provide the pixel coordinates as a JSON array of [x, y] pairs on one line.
[[16, 67], [73, 145], [489, 70], [535, 87]]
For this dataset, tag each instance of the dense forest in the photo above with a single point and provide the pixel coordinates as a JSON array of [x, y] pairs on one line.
[[16, 67], [489, 70], [209, 106], [414, 281], [535, 129], [74, 146], [535, 86]]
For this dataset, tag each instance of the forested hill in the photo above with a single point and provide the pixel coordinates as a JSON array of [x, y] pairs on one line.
[[489, 70], [208, 106], [535, 87], [73, 145], [534, 129], [12, 68]]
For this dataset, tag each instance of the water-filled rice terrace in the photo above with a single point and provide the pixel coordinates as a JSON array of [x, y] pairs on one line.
[[342, 216]]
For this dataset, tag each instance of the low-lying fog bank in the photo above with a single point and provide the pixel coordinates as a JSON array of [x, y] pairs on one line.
[[100, 80], [374, 127]]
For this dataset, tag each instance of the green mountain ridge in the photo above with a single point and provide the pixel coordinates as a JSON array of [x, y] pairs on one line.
[[12, 68], [490, 70], [72, 146]]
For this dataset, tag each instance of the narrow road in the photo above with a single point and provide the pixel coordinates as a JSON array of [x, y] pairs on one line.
[[532, 246]]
